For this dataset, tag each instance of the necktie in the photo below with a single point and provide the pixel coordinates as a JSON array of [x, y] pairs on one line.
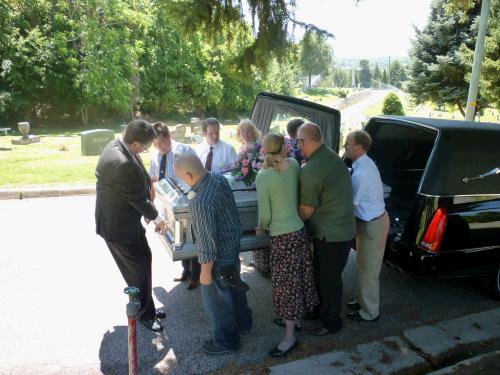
[[163, 167], [210, 156]]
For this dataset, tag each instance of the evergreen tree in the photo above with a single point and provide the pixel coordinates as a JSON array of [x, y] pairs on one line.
[[384, 76], [365, 75], [437, 68], [392, 105]]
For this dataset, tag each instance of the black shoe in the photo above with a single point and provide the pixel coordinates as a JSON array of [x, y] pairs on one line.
[[184, 277], [160, 314], [210, 347], [323, 331], [153, 325], [193, 284], [281, 323], [276, 353], [353, 306], [354, 315]]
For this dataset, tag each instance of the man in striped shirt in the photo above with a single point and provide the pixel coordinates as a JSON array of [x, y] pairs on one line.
[[217, 229]]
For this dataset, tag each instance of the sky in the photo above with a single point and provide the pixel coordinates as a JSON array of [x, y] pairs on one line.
[[373, 28]]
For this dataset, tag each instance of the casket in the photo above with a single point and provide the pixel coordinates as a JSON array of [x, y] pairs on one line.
[[270, 113], [171, 200]]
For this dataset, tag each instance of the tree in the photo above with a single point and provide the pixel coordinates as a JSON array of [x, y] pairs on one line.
[[490, 72], [219, 18], [398, 74], [437, 68], [392, 105], [384, 77], [365, 76], [315, 54]]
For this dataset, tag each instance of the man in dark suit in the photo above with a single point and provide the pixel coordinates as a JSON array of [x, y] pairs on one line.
[[123, 191]]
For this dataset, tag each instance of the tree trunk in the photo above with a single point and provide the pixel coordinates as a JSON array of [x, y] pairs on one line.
[[84, 113], [310, 81], [461, 109]]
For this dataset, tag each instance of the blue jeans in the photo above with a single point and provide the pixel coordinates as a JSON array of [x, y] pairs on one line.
[[227, 309]]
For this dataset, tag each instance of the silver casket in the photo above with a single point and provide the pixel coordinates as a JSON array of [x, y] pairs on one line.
[[271, 113], [171, 200]]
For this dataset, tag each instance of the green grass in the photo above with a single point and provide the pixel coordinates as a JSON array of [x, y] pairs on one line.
[[44, 164]]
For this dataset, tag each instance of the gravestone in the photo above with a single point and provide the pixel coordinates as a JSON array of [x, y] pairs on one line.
[[93, 141]]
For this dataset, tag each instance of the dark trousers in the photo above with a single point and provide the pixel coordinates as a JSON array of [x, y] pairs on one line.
[[134, 263], [329, 260], [192, 268]]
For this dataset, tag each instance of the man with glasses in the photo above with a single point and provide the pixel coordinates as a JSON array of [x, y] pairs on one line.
[[162, 166], [372, 226], [326, 201]]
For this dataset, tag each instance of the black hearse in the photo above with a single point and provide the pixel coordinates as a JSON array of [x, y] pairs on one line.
[[442, 191]]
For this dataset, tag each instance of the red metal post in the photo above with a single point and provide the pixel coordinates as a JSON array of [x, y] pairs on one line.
[[133, 307]]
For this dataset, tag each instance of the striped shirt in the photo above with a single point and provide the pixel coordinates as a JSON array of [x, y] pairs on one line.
[[215, 220]]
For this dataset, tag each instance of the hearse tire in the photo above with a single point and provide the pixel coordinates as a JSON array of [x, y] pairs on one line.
[[494, 282]]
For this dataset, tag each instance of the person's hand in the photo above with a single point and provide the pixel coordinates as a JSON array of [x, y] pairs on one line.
[[205, 278], [259, 232], [161, 227]]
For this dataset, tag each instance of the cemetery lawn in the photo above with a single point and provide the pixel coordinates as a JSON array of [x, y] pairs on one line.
[[45, 163]]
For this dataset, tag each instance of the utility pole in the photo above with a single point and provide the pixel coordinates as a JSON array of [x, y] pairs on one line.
[[477, 62], [389, 72]]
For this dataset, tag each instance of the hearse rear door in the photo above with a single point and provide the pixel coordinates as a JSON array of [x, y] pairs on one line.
[[271, 113]]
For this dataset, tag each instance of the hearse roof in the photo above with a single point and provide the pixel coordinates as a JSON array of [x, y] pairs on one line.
[[461, 149]]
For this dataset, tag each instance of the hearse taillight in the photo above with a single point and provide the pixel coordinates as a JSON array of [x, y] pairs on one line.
[[435, 231]]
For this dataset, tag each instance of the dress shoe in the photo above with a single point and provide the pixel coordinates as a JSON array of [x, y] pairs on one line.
[[160, 314], [183, 277], [353, 306], [281, 323], [276, 353], [354, 315], [323, 331], [193, 284], [210, 347], [153, 325]]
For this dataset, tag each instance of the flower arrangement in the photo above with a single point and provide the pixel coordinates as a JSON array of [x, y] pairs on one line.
[[249, 162]]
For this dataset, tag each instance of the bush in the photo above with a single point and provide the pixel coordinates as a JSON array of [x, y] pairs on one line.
[[392, 105]]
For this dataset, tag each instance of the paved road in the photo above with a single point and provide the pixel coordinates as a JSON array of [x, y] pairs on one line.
[[63, 311]]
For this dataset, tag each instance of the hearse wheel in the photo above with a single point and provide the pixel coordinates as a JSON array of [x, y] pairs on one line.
[[495, 282]]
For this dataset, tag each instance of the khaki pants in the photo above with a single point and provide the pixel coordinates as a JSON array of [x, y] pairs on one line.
[[370, 246]]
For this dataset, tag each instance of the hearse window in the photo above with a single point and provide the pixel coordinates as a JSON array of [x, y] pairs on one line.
[[401, 152], [279, 121]]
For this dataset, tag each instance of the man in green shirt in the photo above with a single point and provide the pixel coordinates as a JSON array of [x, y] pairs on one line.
[[326, 201]]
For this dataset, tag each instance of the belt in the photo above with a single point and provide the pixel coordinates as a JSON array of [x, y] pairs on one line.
[[367, 221]]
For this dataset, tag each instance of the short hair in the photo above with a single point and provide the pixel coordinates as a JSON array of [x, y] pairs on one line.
[[363, 139], [212, 121], [293, 126], [311, 131], [139, 131], [247, 123], [189, 163], [161, 129]]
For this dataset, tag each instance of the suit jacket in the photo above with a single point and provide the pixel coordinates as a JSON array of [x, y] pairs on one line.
[[122, 195]]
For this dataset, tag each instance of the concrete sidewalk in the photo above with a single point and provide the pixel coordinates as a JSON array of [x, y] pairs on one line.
[[475, 337], [47, 191]]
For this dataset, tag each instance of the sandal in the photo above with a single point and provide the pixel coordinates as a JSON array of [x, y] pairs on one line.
[[276, 353]]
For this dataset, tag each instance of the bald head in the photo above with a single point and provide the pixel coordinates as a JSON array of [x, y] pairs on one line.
[[310, 131], [188, 168], [309, 138]]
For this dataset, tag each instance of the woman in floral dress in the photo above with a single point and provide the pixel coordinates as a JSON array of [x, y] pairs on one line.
[[290, 256]]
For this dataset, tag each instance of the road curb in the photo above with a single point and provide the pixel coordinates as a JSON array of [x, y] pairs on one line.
[[417, 350], [49, 191]]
